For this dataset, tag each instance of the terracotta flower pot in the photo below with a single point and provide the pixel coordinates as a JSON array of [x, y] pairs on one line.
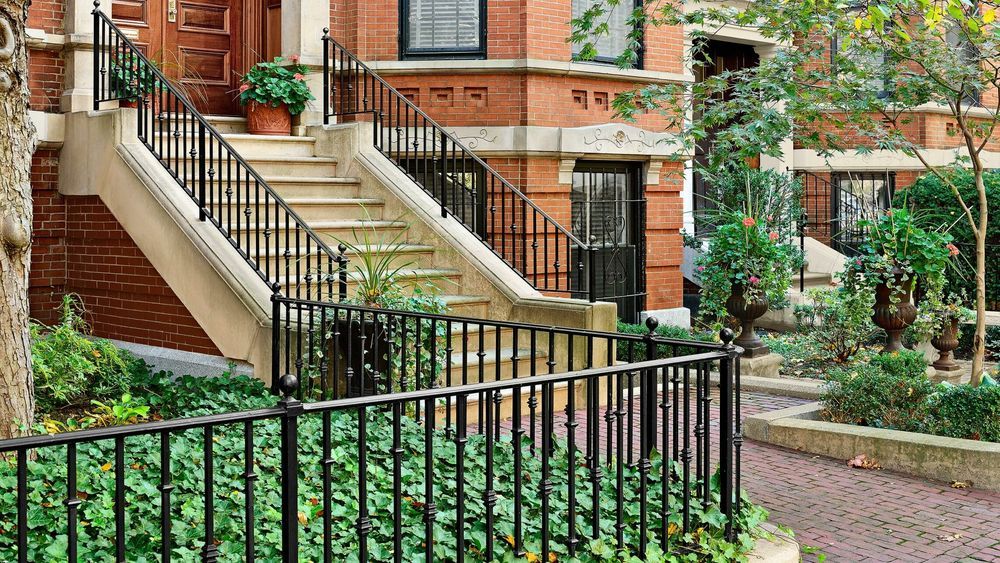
[[747, 313], [263, 119], [945, 343], [894, 320]]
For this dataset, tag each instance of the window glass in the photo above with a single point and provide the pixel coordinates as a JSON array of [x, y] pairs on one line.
[[612, 44], [444, 25]]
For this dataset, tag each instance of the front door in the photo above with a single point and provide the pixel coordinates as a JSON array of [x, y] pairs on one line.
[[201, 45], [608, 211]]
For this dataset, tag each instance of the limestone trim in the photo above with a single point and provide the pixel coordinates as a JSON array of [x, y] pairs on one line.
[[609, 140], [40, 40], [51, 128], [805, 159], [528, 66]]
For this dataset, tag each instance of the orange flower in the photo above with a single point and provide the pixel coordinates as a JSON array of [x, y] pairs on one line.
[[749, 222], [952, 249]]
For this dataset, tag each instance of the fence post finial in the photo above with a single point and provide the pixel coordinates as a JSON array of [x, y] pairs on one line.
[[727, 336], [652, 324], [288, 385]]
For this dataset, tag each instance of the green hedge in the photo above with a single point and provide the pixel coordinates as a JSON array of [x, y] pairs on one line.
[[628, 350]]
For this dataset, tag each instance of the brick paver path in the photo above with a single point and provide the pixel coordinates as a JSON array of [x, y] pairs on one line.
[[858, 515]]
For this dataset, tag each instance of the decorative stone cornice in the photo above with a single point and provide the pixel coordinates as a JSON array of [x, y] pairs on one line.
[[527, 66]]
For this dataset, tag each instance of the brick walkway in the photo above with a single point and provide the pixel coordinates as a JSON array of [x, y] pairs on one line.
[[857, 515]]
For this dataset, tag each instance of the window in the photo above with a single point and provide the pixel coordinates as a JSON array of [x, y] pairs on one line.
[[969, 55], [613, 43], [868, 59], [443, 28]]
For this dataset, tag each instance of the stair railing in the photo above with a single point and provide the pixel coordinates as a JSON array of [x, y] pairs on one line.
[[530, 241], [273, 240]]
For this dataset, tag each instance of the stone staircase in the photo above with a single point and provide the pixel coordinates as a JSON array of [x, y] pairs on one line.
[[342, 208]]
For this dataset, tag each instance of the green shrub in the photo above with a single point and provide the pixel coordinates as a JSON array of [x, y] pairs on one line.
[[868, 396], [969, 412], [902, 364], [840, 320], [637, 350], [72, 369]]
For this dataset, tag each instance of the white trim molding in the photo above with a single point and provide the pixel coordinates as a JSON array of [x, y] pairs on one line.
[[805, 159], [527, 66]]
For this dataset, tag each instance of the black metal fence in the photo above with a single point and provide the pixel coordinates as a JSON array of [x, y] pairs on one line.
[[229, 193], [631, 453], [834, 207], [538, 247]]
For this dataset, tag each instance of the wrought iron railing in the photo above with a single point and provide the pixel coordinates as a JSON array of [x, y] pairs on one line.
[[833, 212], [273, 240], [338, 350], [630, 453], [509, 223]]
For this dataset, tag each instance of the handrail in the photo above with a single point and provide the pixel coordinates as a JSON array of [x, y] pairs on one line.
[[546, 254], [270, 236]]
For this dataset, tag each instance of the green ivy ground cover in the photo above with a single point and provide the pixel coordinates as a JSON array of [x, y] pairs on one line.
[[190, 396]]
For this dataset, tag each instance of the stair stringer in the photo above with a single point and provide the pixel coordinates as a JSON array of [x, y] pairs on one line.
[[102, 156]]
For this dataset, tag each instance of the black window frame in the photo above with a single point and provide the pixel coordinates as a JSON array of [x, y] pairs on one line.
[[406, 53], [613, 60]]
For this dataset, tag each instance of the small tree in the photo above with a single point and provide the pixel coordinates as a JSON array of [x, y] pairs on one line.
[[17, 143], [846, 75]]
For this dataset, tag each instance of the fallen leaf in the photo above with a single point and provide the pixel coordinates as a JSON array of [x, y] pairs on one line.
[[950, 538], [862, 461], [961, 484], [106, 466], [302, 518]]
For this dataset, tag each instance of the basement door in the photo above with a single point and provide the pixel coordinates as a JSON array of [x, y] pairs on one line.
[[608, 211], [202, 46]]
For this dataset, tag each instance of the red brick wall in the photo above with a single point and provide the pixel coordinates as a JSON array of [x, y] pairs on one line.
[[46, 69], [47, 15], [80, 248]]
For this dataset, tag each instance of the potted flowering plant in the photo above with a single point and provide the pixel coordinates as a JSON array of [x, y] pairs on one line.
[[937, 321], [131, 78], [748, 265], [898, 252], [273, 92]]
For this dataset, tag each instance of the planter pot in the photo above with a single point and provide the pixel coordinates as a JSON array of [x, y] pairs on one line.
[[263, 119], [894, 320], [128, 103], [747, 313], [361, 348], [945, 343]]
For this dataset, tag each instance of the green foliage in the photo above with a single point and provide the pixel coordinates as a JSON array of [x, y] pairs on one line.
[[72, 369], [637, 350], [902, 242], [196, 396], [131, 78], [892, 391], [747, 249], [839, 319], [869, 396], [903, 364], [931, 192], [275, 83], [969, 412]]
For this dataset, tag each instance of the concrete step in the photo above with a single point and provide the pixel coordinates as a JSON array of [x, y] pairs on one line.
[[408, 280], [224, 124], [289, 187], [267, 166], [408, 255], [475, 306], [330, 232], [312, 209], [249, 146], [495, 366]]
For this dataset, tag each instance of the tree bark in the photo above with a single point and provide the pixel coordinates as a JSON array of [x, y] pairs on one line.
[[979, 340], [17, 143]]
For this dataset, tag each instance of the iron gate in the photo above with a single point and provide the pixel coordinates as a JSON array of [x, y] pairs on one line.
[[609, 212]]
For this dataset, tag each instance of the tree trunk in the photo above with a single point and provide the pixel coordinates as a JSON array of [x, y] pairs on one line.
[[17, 143], [979, 340]]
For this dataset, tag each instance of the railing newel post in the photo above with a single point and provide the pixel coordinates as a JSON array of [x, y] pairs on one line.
[[591, 270], [288, 384], [326, 76], [342, 261], [201, 171], [275, 336], [727, 439], [97, 54]]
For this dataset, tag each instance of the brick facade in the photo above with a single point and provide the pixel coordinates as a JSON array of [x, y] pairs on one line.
[[79, 247]]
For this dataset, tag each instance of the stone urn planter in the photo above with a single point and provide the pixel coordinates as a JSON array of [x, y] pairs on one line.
[[894, 319], [264, 119], [747, 313], [945, 343]]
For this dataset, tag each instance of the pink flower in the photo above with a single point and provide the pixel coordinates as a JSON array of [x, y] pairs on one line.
[[952, 249], [294, 58], [244, 88], [299, 76], [773, 236], [858, 262], [701, 268], [754, 280], [770, 218], [749, 222]]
